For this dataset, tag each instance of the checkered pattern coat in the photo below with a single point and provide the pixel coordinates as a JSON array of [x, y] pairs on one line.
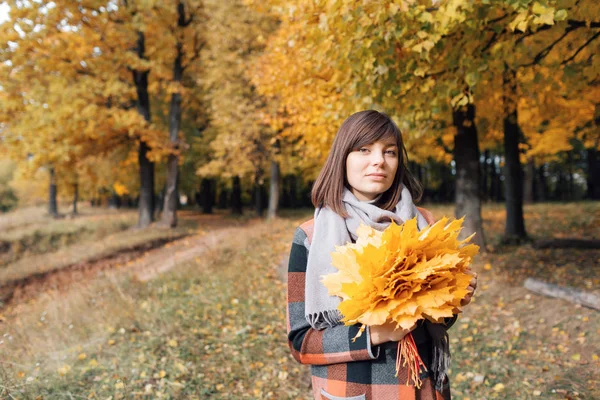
[[343, 369]]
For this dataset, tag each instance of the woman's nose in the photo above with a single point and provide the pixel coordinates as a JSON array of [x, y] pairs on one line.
[[377, 158]]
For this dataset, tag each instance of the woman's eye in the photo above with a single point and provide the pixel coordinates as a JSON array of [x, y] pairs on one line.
[[391, 152], [363, 150]]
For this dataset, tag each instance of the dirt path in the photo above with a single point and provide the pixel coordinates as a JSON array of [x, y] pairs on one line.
[[144, 262], [19, 290], [163, 259]]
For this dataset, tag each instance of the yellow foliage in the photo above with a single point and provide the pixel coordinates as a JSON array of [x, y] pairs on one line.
[[120, 189], [243, 132], [402, 274]]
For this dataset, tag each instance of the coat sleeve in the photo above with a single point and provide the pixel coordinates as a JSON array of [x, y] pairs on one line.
[[318, 347]]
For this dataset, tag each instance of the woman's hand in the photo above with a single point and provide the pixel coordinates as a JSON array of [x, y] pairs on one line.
[[471, 289], [388, 333]]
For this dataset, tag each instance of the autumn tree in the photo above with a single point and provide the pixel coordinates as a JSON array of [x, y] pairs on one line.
[[184, 43], [64, 97], [427, 66], [244, 143], [77, 80]]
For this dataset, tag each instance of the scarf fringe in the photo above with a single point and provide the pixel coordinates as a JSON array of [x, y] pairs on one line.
[[324, 319], [440, 361]]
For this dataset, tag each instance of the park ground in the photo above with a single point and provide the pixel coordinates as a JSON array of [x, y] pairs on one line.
[[93, 308]]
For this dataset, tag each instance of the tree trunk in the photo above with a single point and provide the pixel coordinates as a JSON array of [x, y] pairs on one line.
[[559, 187], [146, 203], [285, 192], [206, 196], [593, 161], [574, 295], [466, 157], [446, 191], [494, 180], [52, 204], [258, 194], [500, 194], [570, 180], [305, 195], [236, 196], [75, 197], [169, 216], [485, 173], [449, 192], [274, 183], [542, 187], [127, 201], [113, 200], [529, 184], [293, 191], [170, 200], [223, 197], [513, 176], [593, 174], [424, 179], [274, 190]]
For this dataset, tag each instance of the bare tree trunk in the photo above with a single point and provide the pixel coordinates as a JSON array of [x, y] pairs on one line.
[[274, 190], [146, 203], [236, 196], [206, 196], [485, 174], [294, 202], [513, 175], [447, 190], [542, 188], [274, 184], [593, 161], [169, 215], [258, 193], [570, 180], [494, 181], [424, 179], [223, 199], [574, 295], [52, 204], [466, 156], [528, 189], [593, 174], [559, 187], [75, 197]]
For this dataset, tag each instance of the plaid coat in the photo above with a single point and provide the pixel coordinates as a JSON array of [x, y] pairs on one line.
[[343, 369]]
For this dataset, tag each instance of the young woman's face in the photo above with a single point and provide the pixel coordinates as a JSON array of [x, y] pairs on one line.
[[370, 170]]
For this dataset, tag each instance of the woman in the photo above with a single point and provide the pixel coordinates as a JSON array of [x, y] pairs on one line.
[[364, 179]]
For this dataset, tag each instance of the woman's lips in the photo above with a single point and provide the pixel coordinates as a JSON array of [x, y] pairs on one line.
[[377, 177]]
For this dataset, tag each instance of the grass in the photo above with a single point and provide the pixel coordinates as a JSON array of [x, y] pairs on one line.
[[214, 327], [198, 332], [33, 232], [512, 344], [49, 245]]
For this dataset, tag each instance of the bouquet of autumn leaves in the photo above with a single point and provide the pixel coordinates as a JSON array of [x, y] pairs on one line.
[[402, 275]]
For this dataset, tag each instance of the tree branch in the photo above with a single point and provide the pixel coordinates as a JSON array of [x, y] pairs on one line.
[[590, 40], [489, 44], [542, 54]]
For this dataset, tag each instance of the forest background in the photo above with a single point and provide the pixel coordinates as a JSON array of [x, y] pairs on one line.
[[144, 123]]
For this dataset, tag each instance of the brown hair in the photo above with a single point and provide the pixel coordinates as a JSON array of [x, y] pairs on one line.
[[360, 129]]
